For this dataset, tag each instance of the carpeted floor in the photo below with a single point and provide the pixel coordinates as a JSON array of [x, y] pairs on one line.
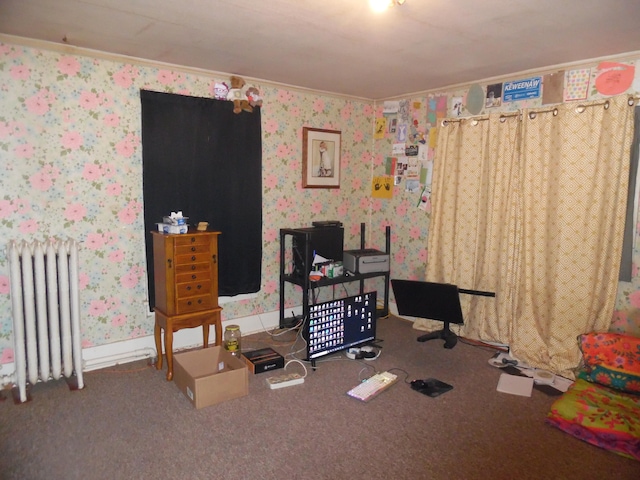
[[130, 423]]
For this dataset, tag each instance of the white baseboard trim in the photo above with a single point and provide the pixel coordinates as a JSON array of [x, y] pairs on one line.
[[126, 351], [130, 350]]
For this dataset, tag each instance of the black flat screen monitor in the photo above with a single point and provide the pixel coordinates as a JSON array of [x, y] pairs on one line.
[[433, 301], [340, 324]]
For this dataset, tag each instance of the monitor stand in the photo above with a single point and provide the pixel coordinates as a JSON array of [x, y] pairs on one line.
[[450, 338]]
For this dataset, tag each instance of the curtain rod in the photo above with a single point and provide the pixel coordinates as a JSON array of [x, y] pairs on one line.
[[532, 114]]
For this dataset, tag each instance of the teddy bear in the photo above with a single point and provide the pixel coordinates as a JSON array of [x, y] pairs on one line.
[[253, 95], [238, 95]]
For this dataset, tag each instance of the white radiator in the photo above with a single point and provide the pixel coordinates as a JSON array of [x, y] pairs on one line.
[[46, 312]]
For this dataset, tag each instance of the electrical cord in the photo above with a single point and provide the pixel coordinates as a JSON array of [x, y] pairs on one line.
[[367, 353], [292, 353], [282, 330], [406, 377], [295, 360]]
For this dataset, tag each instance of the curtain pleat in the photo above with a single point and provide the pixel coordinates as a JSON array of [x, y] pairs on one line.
[[473, 188]]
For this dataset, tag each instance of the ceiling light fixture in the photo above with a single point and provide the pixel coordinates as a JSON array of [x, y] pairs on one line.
[[381, 5]]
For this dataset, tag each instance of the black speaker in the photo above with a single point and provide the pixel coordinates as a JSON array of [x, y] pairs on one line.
[[326, 241]]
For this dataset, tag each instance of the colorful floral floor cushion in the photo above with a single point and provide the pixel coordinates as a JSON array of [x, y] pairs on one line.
[[600, 416], [612, 360]]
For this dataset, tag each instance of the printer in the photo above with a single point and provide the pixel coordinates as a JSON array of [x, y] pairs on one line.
[[367, 260]]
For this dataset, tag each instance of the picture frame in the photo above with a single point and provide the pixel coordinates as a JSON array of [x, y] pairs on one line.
[[321, 152]]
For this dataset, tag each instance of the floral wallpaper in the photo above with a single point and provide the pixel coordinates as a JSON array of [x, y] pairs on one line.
[[71, 158], [70, 151]]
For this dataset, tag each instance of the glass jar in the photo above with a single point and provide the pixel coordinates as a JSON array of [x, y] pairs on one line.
[[232, 340]]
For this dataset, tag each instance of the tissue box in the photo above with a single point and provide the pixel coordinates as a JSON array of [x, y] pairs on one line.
[[174, 220], [167, 228]]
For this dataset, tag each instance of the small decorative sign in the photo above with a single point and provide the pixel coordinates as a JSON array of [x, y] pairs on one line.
[[382, 187], [411, 150], [522, 89]]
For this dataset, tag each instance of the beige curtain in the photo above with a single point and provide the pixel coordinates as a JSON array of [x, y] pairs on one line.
[[575, 173], [531, 207], [473, 189]]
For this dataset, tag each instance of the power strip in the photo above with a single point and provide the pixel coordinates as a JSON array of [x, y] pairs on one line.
[[285, 380]]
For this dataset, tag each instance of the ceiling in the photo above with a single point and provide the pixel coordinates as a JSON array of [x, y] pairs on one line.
[[340, 46]]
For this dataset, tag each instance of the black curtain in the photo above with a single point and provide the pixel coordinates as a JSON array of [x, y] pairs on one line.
[[201, 158]]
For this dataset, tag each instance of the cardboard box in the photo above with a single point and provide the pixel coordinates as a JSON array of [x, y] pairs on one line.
[[210, 375], [263, 360]]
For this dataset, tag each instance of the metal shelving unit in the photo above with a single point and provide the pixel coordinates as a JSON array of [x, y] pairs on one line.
[[307, 285]]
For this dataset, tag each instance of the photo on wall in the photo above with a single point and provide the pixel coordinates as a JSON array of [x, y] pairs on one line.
[[320, 158], [494, 95]]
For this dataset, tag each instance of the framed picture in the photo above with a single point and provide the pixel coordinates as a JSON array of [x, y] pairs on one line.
[[320, 158]]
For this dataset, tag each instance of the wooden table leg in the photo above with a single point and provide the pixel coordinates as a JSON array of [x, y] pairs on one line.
[[171, 323], [156, 334], [168, 348], [218, 328], [217, 325], [205, 335]]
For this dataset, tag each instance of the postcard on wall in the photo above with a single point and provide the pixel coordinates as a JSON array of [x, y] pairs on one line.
[[390, 165], [403, 110], [456, 107], [398, 149], [411, 150], [614, 78], [526, 89], [381, 126], [412, 171], [576, 84], [494, 95], [382, 187], [429, 177], [433, 137], [424, 203], [436, 109], [401, 135], [392, 125], [424, 173], [401, 169], [422, 152], [412, 186], [390, 107], [552, 87]]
